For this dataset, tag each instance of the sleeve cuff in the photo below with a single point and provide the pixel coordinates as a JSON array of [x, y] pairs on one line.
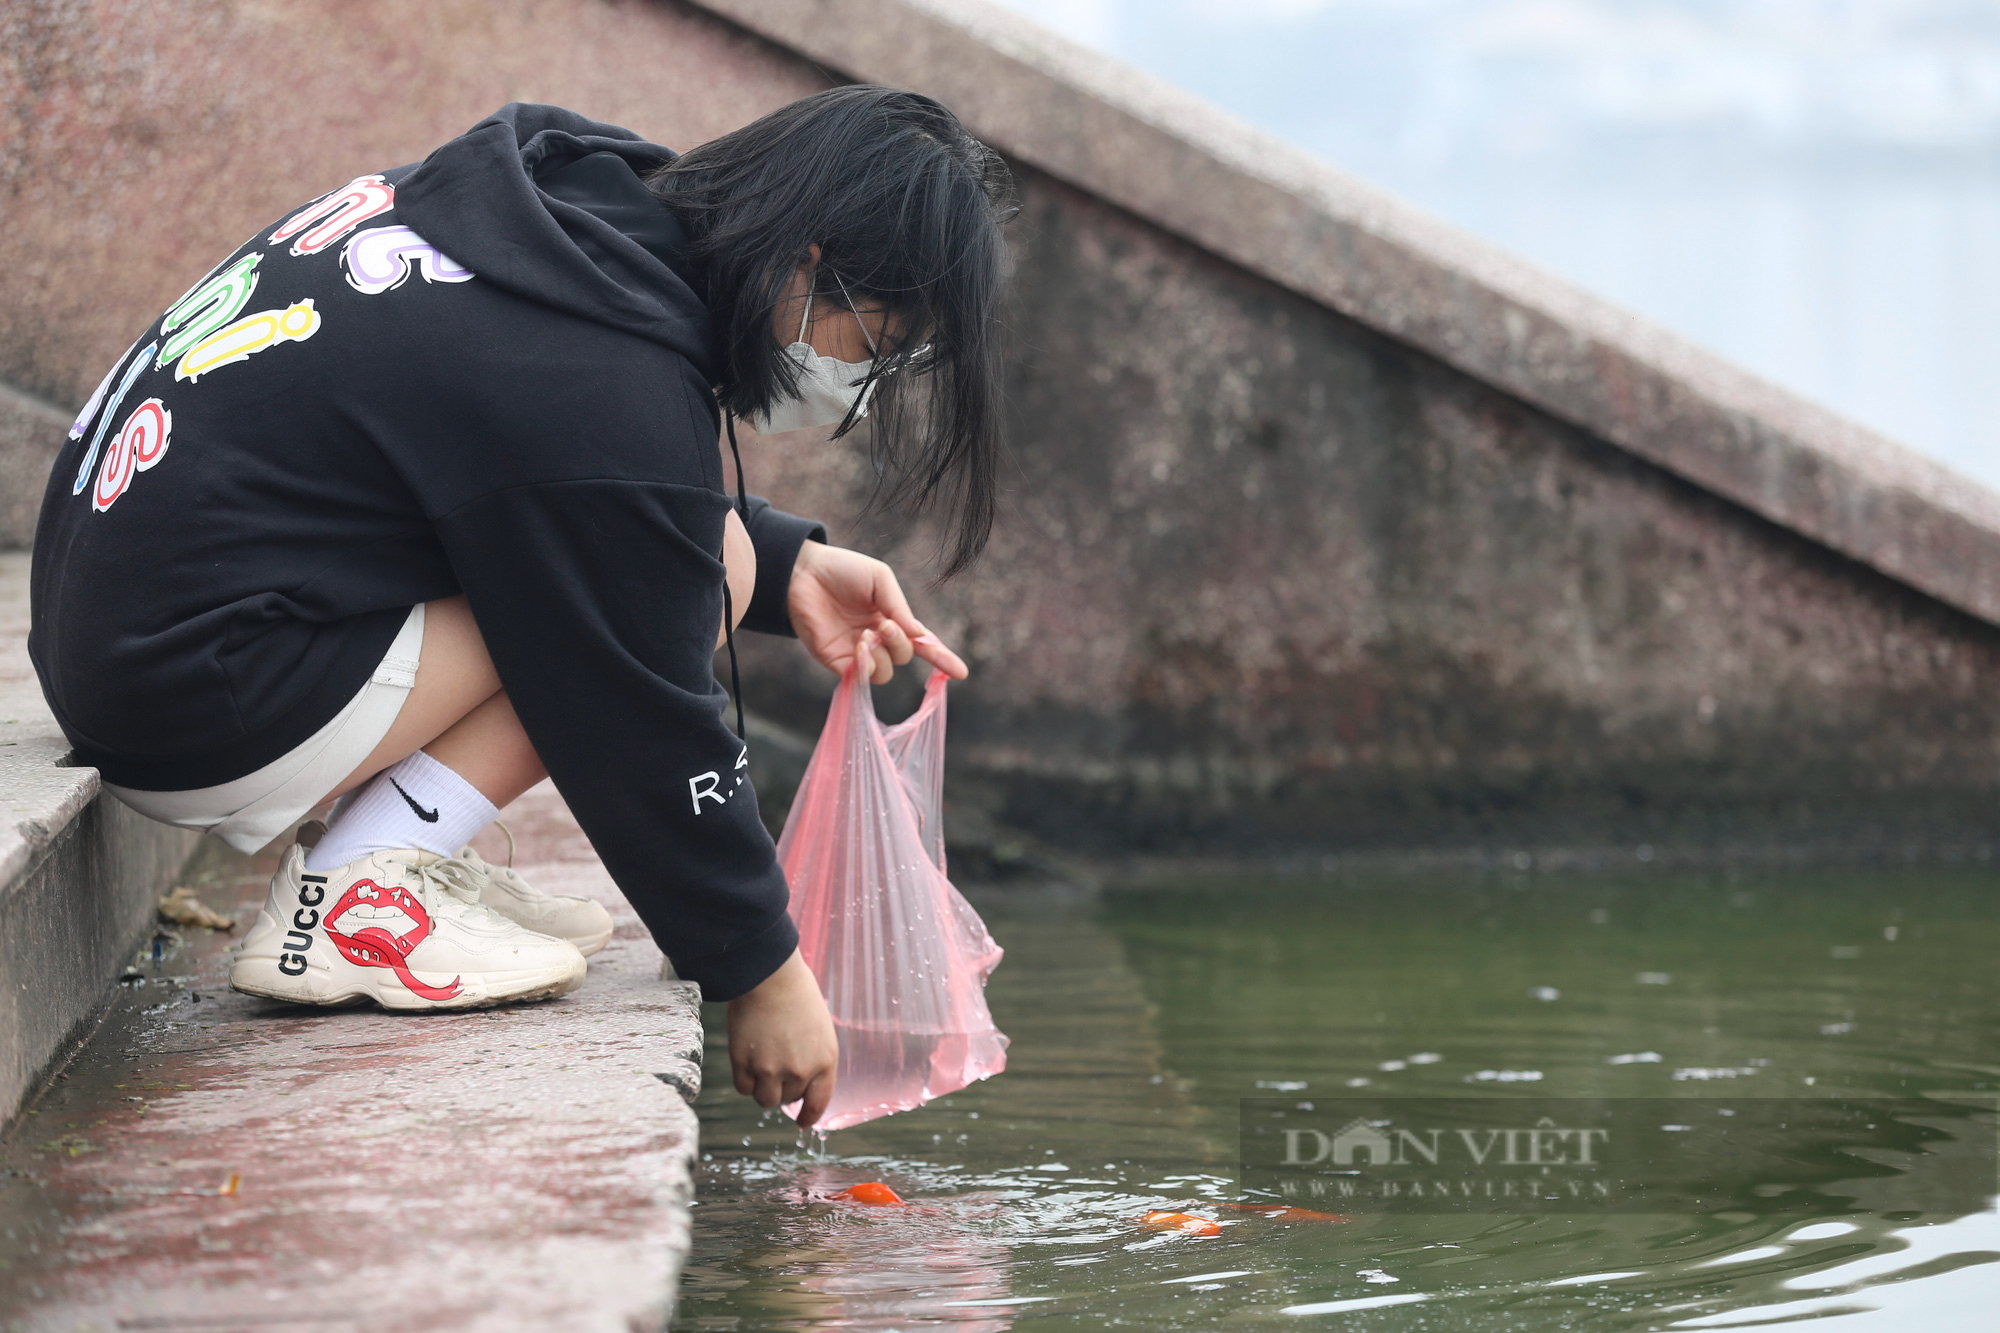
[[776, 536], [725, 976]]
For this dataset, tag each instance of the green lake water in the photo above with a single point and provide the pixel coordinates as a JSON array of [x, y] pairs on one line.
[[1143, 1016]]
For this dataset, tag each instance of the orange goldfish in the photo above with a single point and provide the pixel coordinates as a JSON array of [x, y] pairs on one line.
[[869, 1192], [1188, 1222]]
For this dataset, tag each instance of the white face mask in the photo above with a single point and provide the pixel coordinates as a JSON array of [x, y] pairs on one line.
[[828, 388]]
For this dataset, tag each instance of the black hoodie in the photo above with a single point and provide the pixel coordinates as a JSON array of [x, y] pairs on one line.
[[440, 379]]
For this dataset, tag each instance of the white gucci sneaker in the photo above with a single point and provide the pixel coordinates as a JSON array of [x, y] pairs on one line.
[[579, 920], [390, 929]]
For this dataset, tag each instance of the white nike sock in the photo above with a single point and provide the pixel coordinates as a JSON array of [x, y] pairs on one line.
[[417, 803]]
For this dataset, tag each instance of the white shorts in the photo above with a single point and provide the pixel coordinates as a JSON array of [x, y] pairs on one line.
[[250, 811]]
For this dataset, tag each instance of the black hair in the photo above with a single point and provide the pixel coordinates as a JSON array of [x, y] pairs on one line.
[[906, 207]]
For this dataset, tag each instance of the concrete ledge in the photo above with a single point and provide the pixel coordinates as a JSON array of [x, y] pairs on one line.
[[1196, 172], [31, 434], [80, 875], [216, 1161], [67, 928]]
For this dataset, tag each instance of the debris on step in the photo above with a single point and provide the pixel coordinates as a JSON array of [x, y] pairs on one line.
[[184, 909]]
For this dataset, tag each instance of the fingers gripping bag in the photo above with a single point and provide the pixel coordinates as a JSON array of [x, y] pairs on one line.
[[900, 956]]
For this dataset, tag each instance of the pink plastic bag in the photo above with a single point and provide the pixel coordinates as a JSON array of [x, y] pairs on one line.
[[900, 956]]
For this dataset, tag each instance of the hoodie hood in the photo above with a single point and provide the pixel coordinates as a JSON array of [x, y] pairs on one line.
[[477, 200]]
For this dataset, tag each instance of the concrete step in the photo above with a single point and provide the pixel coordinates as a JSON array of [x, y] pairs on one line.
[[80, 875], [219, 1162]]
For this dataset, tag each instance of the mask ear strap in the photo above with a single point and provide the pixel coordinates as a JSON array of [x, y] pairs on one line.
[[873, 350], [805, 317]]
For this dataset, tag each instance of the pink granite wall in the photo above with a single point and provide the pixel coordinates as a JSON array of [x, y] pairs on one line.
[[143, 139]]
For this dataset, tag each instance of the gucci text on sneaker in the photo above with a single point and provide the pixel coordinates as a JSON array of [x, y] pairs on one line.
[[390, 929]]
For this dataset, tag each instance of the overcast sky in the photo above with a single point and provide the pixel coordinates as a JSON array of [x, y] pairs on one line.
[[1809, 186]]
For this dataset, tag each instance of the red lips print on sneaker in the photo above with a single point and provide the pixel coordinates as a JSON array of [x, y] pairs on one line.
[[374, 926]]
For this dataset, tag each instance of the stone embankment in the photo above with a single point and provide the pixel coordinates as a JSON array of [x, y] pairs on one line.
[[209, 1160], [1327, 531]]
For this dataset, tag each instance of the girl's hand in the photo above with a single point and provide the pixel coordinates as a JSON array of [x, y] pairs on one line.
[[837, 595], [782, 1046]]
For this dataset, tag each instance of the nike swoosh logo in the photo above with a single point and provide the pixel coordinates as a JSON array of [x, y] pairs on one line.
[[428, 816]]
